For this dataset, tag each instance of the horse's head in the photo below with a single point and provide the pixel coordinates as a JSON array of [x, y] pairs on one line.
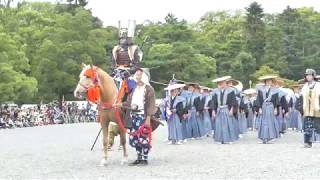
[[87, 79]]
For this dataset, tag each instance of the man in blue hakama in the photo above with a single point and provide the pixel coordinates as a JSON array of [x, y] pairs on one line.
[[175, 112], [224, 109], [193, 123], [206, 97], [267, 103], [294, 116], [249, 103]]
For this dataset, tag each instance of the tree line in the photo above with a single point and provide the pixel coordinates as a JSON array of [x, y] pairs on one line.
[[42, 46]]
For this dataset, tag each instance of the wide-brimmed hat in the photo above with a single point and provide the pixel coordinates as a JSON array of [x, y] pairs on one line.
[[174, 86], [249, 91], [205, 88], [301, 81], [266, 77], [194, 84], [179, 81], [236, 84], [296, 85], [220, 79]]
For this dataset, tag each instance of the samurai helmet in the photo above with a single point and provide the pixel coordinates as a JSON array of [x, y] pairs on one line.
[[127, 31], [123, 33]]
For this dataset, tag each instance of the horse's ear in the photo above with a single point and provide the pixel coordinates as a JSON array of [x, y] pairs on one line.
[[83, 65]]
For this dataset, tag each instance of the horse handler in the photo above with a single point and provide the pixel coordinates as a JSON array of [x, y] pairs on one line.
[[310, 108], [142, 99]]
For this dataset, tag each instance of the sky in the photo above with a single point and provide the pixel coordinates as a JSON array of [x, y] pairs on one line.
[[111, 11]]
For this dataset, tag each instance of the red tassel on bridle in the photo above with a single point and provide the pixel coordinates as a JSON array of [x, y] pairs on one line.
[[93, 93]]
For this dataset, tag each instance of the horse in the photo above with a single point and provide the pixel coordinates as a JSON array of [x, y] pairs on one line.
[[92, 77]]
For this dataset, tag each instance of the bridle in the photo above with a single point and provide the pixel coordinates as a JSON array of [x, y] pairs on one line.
[[92, 73], [92, 91]]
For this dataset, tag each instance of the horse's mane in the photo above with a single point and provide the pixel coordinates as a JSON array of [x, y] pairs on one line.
[[108, 87]]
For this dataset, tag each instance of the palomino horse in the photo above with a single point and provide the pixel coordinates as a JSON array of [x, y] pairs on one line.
[[92, 77]]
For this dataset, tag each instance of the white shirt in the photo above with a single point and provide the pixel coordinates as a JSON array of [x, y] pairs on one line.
[[311, 84], [138, 98]]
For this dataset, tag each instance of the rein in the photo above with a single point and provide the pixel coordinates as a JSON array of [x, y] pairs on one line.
[[93, 95], [142, 131]]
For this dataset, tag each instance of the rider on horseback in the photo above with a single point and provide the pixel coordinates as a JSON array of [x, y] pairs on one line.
[[126, 56], [126, 59]]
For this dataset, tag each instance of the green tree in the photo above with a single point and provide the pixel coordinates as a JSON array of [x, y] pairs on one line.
[[274, 52], [264, 70], [11, 53], [81, 3], [309, 33], [243, 68], [289, 22], [224, 47], [15, 86], [47, 42], [182, 60], [5, 3], [73, 40], [255, 29]]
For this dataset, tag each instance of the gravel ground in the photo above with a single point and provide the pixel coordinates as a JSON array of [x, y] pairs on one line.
[[63, 152]]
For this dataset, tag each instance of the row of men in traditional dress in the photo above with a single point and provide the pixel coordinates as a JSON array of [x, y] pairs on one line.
[[227, 112]]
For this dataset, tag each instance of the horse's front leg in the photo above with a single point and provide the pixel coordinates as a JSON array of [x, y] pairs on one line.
[[124, 147], [104, 122]]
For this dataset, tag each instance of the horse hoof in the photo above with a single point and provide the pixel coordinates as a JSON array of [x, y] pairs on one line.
[[124, 161], [103, 162]]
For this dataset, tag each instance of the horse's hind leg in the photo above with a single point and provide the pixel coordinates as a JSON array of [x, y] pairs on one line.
[[124, 147]]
